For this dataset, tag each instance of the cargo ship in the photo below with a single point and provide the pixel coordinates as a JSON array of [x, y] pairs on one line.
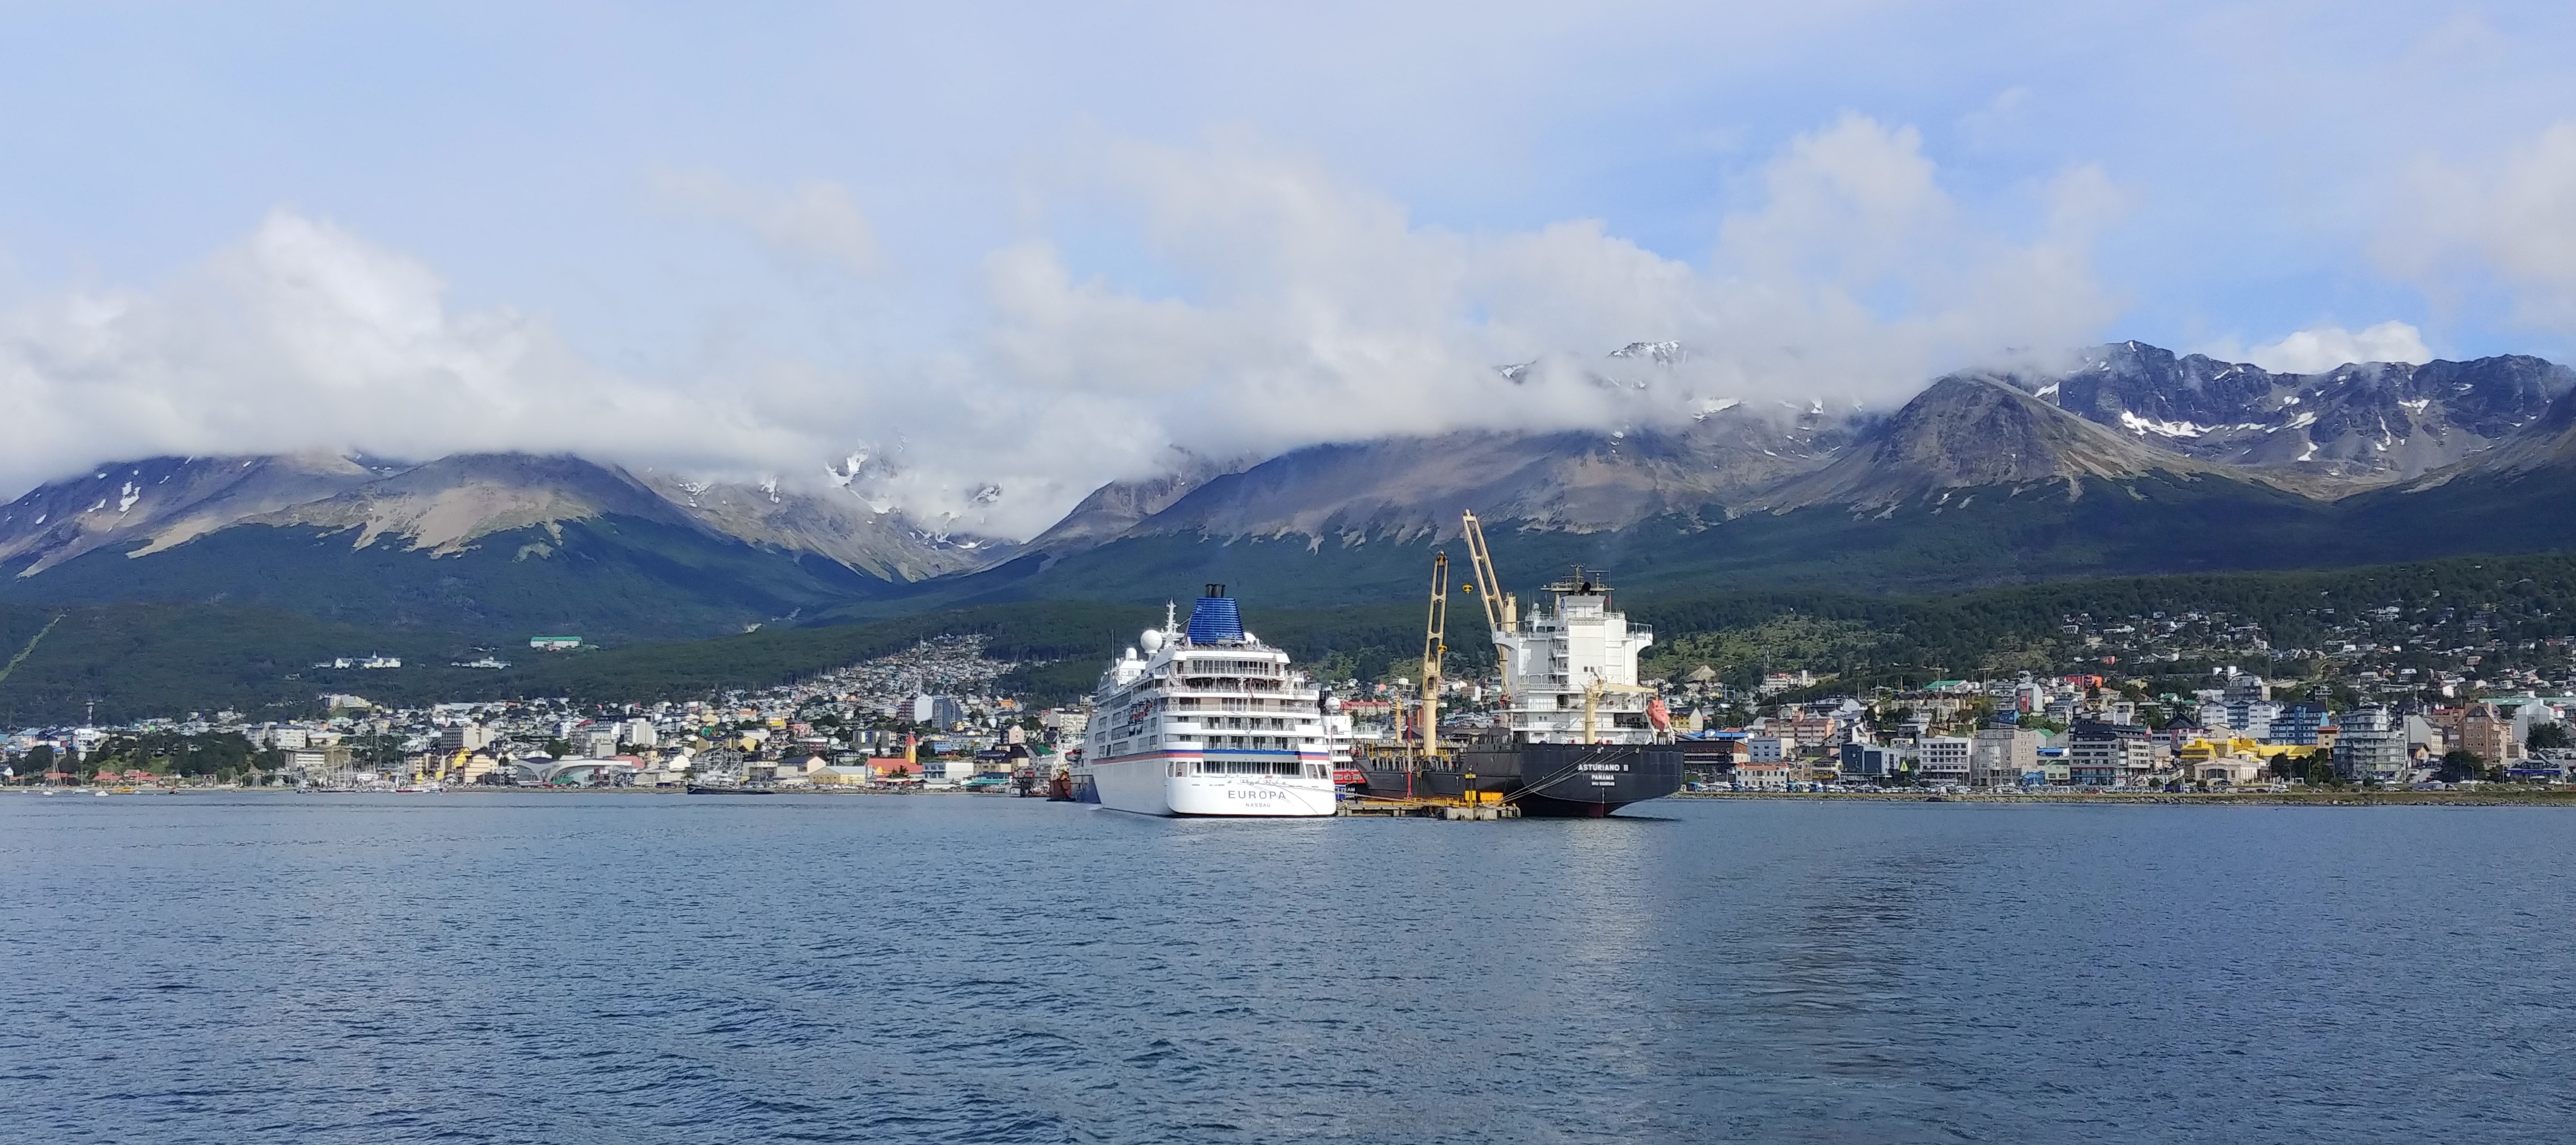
[[1577, 734], [1205, 720]]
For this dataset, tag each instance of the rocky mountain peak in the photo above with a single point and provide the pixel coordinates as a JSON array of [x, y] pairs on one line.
[[161, 501], [448, 503], [1658, 353], [2357, 425], [1974, 432]]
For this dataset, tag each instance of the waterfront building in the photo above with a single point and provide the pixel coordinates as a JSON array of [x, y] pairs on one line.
[[2370, 748], [2094, 773], [2053, 767], [2299, 725], [1875, 761], [2096, 749], [842, 775], [1943, 759], [1805, 731], [1774, 776], [2488, 734], [1999, 756]]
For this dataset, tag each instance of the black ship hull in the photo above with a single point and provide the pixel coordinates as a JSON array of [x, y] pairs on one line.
[[1543, 780]]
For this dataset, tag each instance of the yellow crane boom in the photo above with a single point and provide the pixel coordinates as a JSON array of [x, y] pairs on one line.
[[1592, 694], [1435, 636], [1502, 610]]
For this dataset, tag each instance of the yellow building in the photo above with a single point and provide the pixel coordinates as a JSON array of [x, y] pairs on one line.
[[2235, 762]]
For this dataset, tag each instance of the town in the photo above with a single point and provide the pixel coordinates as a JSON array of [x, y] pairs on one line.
[[2390, 696]]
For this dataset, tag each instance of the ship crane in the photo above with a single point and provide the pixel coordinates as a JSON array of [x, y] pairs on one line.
[[1593, 692], [1435, 647], [1502, 610]]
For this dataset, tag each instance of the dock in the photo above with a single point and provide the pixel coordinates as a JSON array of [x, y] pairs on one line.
[[1455, 810]]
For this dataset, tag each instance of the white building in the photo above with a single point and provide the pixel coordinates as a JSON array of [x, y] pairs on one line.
[[2252, 718], [2371, 747], [1943, 759], [2119, 753]]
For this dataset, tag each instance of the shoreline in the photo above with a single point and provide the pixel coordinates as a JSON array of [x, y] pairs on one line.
[[2564, 798], [160, 789], [2525, 798]]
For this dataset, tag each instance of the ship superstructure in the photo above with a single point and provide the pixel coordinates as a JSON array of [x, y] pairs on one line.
[[1573, 664], [1205, 719]]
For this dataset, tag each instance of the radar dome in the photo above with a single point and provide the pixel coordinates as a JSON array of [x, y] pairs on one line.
[[1332, 703], [1152, 640]]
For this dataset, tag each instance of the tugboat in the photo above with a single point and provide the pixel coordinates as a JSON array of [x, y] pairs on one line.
[[1580, 736]]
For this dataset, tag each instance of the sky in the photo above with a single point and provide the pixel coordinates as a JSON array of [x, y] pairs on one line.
[[971, 261]]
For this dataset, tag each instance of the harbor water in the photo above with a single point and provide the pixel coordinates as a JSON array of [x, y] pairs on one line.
[[630, 968]]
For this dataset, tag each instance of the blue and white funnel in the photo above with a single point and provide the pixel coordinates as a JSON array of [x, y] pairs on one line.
[[1214, 618]]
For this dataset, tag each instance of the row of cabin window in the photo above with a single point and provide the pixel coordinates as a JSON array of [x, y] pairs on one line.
[[1230, 667], [1257, 743], [1277, 723], [1250, 767]]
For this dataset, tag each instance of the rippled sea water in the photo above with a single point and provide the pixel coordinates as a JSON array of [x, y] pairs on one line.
[[640, 968]]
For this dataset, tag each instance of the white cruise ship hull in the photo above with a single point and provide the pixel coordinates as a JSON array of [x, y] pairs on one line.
[[1147, 786]]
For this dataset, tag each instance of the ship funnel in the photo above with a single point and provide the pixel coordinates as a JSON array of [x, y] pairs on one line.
[[1215, 618]]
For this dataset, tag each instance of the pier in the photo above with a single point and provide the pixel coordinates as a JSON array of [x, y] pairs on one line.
[[1486, 809]]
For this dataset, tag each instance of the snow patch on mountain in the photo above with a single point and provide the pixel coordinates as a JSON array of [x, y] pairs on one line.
[[2145, 425]]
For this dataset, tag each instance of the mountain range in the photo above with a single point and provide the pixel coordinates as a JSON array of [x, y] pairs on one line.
[[2124, 457]]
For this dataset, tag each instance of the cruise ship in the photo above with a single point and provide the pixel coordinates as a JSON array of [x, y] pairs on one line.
[[1205, 720]]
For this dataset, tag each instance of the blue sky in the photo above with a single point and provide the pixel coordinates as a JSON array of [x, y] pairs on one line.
[[685, 235]]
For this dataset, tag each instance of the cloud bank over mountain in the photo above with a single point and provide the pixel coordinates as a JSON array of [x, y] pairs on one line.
[[1301, 309]]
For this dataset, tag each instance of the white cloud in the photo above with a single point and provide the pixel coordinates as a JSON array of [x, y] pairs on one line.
[[1999, 120], [2323, 348], [2510, 220], [815, 223], [305, 337], [1314, 311], [1294, 309]]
